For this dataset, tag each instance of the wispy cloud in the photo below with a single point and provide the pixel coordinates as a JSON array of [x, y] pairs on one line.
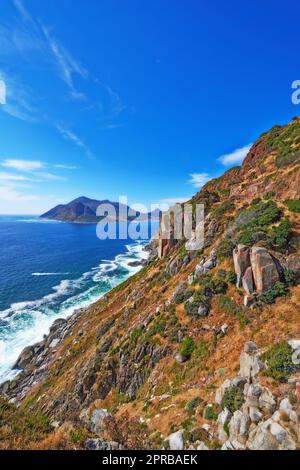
[[67, 167], [23, 165], [66, 65], [29, 167], [18, 99], [70, 135], [198, 180], [12, 177], [236, 157]]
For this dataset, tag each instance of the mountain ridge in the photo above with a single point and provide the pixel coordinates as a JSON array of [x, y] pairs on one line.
[[83, 210]]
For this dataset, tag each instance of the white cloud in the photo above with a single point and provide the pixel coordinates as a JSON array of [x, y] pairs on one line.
[[50, 176], [236, 157], [199, 179], [15, 201], [12, 177], [67, 167], [23, 165]]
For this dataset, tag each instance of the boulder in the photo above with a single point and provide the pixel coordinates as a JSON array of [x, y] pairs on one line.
[[267, 402], [264, 269], [176, 441], [261, 439], [239, 427], [248, 282], [25, 358], [250, 365], [97, 421], [100, 444], [241, 259]]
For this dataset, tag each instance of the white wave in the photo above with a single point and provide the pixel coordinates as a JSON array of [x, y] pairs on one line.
[[49, 274], [27, 322]]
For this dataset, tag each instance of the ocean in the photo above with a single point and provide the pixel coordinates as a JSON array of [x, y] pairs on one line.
[[47, 271]]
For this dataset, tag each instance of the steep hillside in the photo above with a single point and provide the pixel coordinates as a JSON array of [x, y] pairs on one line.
[[199, 349]]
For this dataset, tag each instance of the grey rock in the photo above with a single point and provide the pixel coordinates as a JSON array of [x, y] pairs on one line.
[[98, 420], [267, 402], [176, 441], [248, 282], [264, 269], [241, 259], [100, 444], [250, 365]]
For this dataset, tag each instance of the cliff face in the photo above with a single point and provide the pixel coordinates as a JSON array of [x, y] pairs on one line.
[[163, 356]]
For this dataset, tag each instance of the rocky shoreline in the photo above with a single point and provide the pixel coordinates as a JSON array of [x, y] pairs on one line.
[[34, 360]]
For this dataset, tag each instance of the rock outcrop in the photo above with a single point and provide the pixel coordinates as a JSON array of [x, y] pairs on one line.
[[257, 271]]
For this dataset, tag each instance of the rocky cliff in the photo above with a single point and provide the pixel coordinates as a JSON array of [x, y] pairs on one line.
[[200, 349]]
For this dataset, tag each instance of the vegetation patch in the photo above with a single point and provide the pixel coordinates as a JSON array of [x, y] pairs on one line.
[[293, 205], [233, 399], [21, 425], [230, 307], [218, 212], [269, 297], [187, 347], [279, 362]]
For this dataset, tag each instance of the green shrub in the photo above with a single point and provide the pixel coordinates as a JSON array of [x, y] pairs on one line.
[[225, 249], [279, 362], [269, 297], [290, 278], [293, 205], [158, 327], [192, 404], [233, 399], [135, 335], [280, 236], [183, 296], [211, 413], [222, 209], [230, 307], [187, 347], [231, 277]]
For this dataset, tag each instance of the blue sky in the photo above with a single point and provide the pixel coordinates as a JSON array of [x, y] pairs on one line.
[[137, 98]]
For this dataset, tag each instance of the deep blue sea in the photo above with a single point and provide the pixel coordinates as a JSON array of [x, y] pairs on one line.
[[48, 270]]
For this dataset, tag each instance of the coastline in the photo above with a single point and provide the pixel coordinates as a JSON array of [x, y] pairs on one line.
[[70, 314]]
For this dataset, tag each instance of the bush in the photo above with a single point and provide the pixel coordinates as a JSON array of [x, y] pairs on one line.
[[231, 308], [211, 413], [293, 205], [233, 399], [280, 236], [192, 404], [225, 249], [135, 335], [290, 278], [187, 347], [279, 362], [231, 277], [183, 296], [269, 297], [222, 209]]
